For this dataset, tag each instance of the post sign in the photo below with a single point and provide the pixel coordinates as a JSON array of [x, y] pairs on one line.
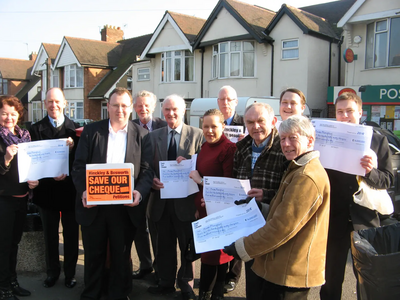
[[381, 94], [349, 55], [109, 183]]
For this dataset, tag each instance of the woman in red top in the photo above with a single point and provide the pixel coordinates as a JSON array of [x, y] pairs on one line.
[[214, 159]]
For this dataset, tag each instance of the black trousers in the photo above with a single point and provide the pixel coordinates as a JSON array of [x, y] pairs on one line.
[[12, 219], [212, 279], [51, 221], [112, 224], [235, 270], [170, 229], [254, 283], [273, 291], [142, 244]]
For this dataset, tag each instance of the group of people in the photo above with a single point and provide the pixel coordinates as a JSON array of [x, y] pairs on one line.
[[309, 210]]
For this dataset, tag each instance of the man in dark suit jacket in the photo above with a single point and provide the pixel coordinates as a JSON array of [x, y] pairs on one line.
[[345, 215], [57, 195], [115, 140], [227, 102], [173, 217], [144, 103]]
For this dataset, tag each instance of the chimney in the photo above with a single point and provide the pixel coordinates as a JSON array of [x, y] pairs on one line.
[[33, 56], [111, 34]]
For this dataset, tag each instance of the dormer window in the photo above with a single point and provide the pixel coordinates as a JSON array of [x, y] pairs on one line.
[[73, 76]]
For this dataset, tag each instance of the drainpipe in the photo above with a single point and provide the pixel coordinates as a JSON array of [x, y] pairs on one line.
[[340, 59], [202, 72], [272, 68], [330, 62]]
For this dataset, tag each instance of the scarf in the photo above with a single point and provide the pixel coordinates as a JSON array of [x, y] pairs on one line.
[[9, 138]]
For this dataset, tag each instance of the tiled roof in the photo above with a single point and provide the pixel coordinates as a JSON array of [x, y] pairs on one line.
[[331, 11], [189, 25], [17, 69], [308, 23], [95, 53], [51, 50], [253, 18], [257, 17], [130, 49]]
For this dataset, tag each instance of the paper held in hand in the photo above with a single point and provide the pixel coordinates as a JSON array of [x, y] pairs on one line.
[[109, 183], [226, 226]]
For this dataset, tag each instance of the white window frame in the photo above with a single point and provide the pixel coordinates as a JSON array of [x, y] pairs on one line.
[[288, 48], [72, 106], [3, 85], [224, 52], [55, 78], [143, 74], [104, 110], [169, 70], [75, 71], [371, 59], [37, 110]]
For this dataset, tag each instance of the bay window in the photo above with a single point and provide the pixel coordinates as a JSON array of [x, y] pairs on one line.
[[383, 44], [233, 59], [73, 76], [177, 66]]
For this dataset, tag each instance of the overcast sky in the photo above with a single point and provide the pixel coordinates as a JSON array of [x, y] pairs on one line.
[[25, 24]]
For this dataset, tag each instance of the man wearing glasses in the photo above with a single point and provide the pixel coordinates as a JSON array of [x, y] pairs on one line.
[[227, 102], [115, 140]]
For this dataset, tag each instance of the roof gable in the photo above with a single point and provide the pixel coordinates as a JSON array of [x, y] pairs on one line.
[[15, 69], [186, 27], [252, 18], [308, 23], [91, 52], [131, 48]]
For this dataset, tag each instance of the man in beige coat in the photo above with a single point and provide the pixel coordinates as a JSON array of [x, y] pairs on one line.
[[289, 250]]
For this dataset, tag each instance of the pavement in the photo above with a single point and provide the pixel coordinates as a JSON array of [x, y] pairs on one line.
[[33, 282]]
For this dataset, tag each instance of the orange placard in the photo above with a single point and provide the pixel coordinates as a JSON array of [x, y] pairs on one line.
[[109, 185]]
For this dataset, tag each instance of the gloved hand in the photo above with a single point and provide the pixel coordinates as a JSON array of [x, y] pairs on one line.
[[231, 250], [247, 200]]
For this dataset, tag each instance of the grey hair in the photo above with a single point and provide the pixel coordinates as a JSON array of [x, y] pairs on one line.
[[179, 99], [146, 94], [231, 91], [266, 107], [299, 124]]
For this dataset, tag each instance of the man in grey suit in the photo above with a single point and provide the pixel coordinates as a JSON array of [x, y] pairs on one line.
[[173, 217], [144, 103]]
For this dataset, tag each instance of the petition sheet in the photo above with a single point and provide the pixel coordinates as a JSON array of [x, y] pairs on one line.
[[221, 192], [41, 159], [218, 230], [342, 145], [232, 132], [175, 178]]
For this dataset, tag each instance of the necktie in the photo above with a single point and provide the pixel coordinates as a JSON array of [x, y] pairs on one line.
[[226, 123], [172, 146], [55, 123], [145, 127]]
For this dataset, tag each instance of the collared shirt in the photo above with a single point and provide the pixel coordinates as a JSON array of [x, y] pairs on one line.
[[116, 147], [60, 121], [178, 131], [229, 120], [148, 124], [256, 151]]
